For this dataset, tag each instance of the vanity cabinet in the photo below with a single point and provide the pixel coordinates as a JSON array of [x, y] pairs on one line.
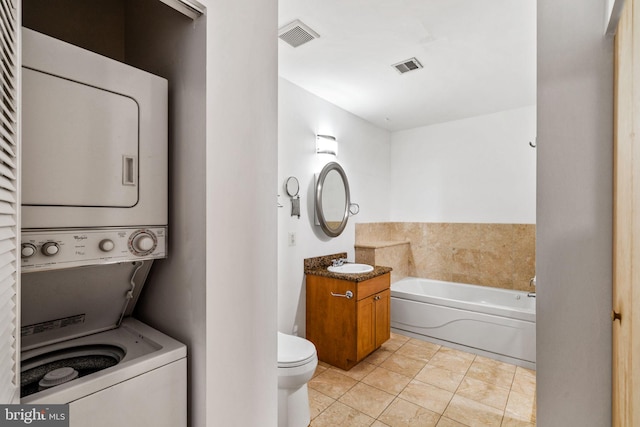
[[346, 330]]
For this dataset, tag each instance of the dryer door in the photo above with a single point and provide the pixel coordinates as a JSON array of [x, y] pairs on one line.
[[80, 144]]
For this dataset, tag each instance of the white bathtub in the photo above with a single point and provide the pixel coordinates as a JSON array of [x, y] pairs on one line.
[[497, 323]]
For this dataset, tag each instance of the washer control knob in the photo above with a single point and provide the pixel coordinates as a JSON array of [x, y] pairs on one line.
[[106, 245], [28, 250], [50, 248]]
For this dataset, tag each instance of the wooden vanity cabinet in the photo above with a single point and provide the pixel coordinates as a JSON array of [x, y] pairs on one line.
[[346, 330]]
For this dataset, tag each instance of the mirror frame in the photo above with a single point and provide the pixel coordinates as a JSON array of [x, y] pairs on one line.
[[332, 232]]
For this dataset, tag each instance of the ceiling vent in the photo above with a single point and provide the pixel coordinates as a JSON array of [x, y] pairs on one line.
[[297, 33], [407, 65]]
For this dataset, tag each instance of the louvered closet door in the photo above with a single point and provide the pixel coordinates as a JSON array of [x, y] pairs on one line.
[[9, 203]]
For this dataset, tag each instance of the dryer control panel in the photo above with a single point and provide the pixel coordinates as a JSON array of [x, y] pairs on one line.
[[55, 249]]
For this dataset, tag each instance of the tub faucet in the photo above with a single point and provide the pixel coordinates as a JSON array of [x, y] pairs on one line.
[[532, 282]]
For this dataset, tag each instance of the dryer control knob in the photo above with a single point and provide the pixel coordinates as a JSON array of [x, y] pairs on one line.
[[106, 245], [50, 248], [28, 250], [143, 242]]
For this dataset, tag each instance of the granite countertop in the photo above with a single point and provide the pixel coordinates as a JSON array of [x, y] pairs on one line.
[[318, 267]]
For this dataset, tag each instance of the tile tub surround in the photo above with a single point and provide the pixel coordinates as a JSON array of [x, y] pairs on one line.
[[498, 255], [396, 254], [410, 382]]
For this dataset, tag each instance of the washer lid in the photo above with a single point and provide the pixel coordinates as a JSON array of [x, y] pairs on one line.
[[58, 305], [294, 351]]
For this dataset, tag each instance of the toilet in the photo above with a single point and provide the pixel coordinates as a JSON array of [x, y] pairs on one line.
[[297, 361]]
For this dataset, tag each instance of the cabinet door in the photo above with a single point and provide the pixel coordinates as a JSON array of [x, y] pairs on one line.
[[383, 317], [366, 319]]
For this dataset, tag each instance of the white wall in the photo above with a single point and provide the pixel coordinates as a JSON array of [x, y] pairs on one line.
[[241, 223], [363, 153], [479, 169], [574, 230]]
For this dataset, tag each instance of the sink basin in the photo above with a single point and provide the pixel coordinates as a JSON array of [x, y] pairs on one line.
[[351, 268]]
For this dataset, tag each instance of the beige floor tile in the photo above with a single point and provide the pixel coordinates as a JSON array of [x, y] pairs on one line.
[[410, 382], [452, 360], [319, 369], [491, 373], [339, 414], [426, 344], [403, 365], [387, 380], [332, 383], [507, 421], [446, 422], [366, 399], [395, 342], [318, 402], [480, 391], [439, 377], [495, 363], [378, 356], [426, 395], [525, 371], [406, 414], [524, 381], [358, 372], [521, 407], [473, 414], [400, 337], [419, 352]]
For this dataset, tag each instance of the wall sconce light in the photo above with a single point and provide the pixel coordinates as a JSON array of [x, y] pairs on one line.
[[326, 144]]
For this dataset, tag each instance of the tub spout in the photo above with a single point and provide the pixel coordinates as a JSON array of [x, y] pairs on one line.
[[531, 294]]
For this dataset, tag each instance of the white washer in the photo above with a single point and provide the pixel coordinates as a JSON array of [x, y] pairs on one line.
[[129, 374]]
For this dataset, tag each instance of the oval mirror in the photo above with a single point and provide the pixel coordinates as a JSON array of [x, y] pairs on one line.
[[332, 199]]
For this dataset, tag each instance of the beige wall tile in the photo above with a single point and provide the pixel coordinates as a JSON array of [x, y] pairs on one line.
[[366, 256], [496, 255]]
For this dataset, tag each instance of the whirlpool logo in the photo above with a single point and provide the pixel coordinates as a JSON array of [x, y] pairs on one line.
[[34, 415]]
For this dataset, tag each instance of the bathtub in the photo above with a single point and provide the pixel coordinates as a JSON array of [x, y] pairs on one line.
[[496, 323]]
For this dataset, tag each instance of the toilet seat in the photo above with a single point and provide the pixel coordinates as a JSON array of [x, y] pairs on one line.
[[294, 351]]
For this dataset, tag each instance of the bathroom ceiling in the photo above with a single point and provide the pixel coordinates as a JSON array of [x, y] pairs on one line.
[[478, 57]]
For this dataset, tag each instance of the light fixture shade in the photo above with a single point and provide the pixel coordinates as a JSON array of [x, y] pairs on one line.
[[326, 144]]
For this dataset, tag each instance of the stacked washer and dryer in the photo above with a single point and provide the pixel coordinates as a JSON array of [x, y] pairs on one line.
[[94, 219]]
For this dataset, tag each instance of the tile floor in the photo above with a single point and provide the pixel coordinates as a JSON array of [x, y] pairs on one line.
[[409, 382]]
